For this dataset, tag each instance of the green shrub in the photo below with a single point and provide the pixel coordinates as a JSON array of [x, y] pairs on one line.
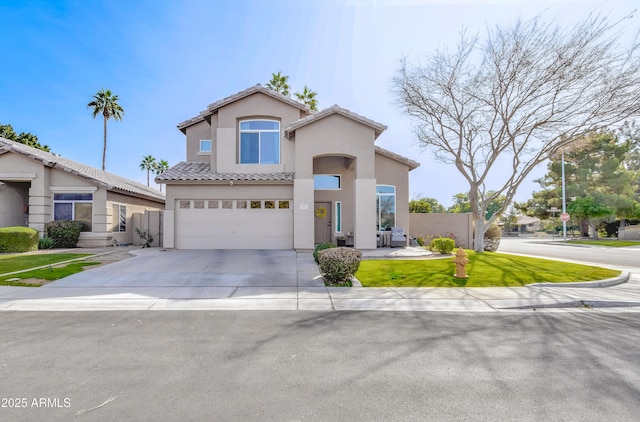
[[443, 245], [64, 233], [321, 247], [18, 239], [493, 232], [420, 241], [45, 243], [338, 265]]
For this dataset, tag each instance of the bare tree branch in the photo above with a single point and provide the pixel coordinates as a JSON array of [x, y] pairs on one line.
[[518, 97]]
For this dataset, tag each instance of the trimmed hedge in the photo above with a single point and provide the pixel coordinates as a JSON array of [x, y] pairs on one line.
[[338, 265], [321, 247], [18, 239], [442, 245], [64, 233]]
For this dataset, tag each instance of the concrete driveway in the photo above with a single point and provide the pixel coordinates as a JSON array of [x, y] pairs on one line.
[[159, 279], [184, 279]]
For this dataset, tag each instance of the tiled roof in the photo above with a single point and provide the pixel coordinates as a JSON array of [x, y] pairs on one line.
[[335, 109], [195, 171], [98, 177], [213, 107], [412, 164]]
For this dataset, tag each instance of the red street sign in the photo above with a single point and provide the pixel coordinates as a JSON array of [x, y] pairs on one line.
[[565, 216]]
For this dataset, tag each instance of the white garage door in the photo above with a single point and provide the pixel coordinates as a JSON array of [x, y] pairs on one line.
[[233, 224]]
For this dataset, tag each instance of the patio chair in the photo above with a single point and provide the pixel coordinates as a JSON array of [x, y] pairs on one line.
[[398, 237]]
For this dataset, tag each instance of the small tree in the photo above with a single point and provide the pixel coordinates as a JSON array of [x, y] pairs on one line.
[[161, 167], [308, 97], [279, 83], [517, 98]]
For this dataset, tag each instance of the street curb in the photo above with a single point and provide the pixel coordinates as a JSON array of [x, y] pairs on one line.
[[622, 278]]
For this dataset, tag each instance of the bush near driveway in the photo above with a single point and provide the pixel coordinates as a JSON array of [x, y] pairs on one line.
[[338, 265], [18, 239], [65, 234]]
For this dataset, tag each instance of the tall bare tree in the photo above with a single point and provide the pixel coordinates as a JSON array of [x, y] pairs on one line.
[[105, 103], [496, 108]]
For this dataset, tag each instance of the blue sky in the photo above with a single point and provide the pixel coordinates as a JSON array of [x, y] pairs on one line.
[[167, 60]]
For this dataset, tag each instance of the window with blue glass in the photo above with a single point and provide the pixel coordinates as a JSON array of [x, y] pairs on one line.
[[326, 181], [74, 206], [259, 142], [385, 207]]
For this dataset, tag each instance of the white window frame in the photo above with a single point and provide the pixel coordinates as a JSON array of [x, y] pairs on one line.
[[259, 131], [118, 222], [378, 208], [73, 202], [338, 216], [338, 176], [202, 151]]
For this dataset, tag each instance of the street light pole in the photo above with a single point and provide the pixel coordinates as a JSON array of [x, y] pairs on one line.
[[564, 203]]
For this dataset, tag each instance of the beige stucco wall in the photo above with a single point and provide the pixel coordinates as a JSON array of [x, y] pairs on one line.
[[441, 224], [391, 172], [258, 106], [15, 167], [195, 133], [14, 197], [134, 206], [629, 233], [336, 135], [346, 194]]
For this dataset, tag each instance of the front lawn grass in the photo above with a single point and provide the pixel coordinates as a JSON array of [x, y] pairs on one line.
[[11, 263], [614, 243], [487, 269], [49, 274]]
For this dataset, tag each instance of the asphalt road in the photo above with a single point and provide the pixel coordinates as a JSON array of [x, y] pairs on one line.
[[319, 366], [623, 258]]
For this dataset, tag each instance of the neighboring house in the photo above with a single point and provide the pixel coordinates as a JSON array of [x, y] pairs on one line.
[[262, 171], [38, 187], [525, 224]]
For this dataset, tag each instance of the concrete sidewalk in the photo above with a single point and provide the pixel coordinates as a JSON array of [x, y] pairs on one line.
[[151, 281]]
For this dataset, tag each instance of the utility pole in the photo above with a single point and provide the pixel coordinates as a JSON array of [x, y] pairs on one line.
[[564, 204]]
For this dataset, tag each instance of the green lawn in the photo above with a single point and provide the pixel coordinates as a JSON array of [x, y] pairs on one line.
[[11, 263], [484, 270], [606, 242], [50, 274]]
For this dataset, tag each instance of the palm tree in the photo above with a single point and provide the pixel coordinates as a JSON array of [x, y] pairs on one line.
[[106, 104], [148, 163], [279, 83], [308, 97], [161, 167]]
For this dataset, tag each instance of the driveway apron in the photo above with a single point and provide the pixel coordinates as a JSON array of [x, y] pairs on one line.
[[185, 279]]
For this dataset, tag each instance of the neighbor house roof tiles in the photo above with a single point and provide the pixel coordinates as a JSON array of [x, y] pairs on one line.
[[107, 180]]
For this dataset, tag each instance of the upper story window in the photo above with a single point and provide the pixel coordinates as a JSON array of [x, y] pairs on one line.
[[205, 146], [259, 142]]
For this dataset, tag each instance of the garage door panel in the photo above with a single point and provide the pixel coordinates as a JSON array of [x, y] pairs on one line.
[[234, 228]]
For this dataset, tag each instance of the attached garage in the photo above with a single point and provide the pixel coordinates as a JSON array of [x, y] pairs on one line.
[[233, 224]]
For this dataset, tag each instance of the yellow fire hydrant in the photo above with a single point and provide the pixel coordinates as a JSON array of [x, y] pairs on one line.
[[461, 261]]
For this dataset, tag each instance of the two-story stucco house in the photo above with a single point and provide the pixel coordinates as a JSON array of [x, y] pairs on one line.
[[264, 172]]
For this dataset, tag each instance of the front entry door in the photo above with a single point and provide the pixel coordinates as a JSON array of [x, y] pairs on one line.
[[322, 218]]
